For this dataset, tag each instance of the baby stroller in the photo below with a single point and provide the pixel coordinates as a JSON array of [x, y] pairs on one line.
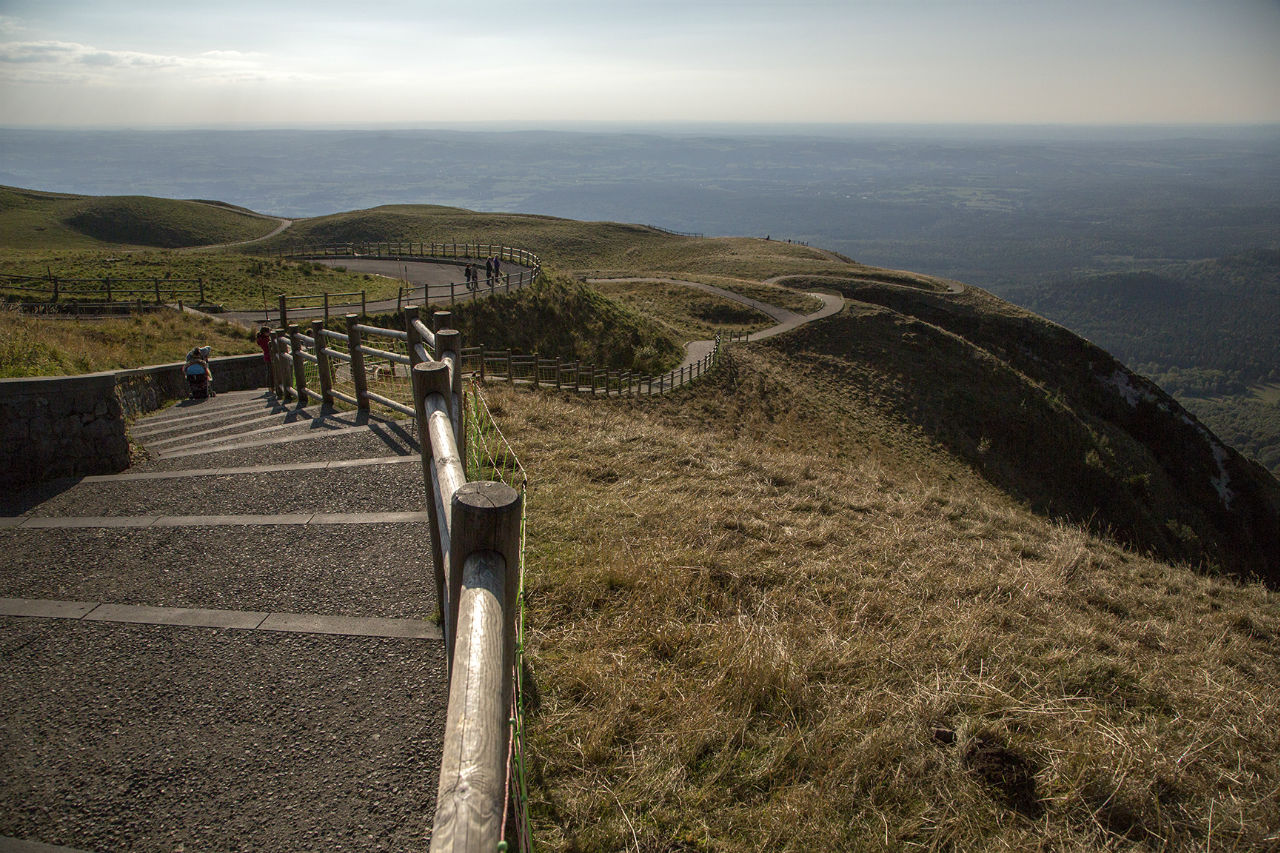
[[198, 381]]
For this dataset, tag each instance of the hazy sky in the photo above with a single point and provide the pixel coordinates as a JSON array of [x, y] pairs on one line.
[[286, 62]]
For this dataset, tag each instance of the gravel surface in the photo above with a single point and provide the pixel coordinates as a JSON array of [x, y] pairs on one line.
[[340, 570], [366, 488], [154, 738], [382, 439]]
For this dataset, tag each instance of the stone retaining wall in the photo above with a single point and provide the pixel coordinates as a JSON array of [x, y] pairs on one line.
[[73, 426]]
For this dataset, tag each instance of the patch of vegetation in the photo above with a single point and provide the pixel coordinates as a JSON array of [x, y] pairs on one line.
[[31, 219], [771, 612], [560, 317], [52, 346], [234, 281], [1057, 421], [1248, 424], [691, 314]]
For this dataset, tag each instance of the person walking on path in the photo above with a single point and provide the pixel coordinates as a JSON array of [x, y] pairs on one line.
[[488, 271], [497, 269]]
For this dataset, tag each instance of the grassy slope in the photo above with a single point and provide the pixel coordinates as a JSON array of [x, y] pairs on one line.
[[1037, 410], [561, 317], [232, 280], [32, 219], [38, 346], [776, 613]]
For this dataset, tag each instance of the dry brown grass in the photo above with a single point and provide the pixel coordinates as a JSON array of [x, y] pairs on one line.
[[790, 627], [691, 314], [52, 346]]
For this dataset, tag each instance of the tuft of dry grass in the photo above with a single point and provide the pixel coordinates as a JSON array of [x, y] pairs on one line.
[[783, 628]]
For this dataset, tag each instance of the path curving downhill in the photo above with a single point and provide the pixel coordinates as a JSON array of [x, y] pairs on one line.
[[787, 320], [281, 225]]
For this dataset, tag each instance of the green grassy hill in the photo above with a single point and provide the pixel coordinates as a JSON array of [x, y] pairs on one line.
[[583, 248], [33, 219]]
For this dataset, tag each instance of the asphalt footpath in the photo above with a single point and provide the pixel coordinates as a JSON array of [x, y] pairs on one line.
[[230, 646]]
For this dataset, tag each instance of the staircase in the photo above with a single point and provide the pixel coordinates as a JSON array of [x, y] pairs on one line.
[[230, 646]]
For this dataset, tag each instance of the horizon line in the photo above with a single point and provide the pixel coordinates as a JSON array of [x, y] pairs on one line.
[[678, 126]]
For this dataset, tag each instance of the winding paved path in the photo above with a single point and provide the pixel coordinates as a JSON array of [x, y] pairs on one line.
[[787, 320]]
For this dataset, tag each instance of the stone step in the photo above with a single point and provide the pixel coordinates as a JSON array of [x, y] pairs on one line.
[[150, 428], [365, 570], [362, 489], [374, 439]]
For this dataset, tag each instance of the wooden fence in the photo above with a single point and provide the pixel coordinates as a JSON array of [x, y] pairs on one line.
[[528, 264], [103, 291], [476, 532], [476, 536], [505, 365]]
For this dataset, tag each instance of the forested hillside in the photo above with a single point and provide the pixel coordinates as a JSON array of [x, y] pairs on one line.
[[1206, 331]]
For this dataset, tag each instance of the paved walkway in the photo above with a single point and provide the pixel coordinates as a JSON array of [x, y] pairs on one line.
[[786, 320], [231, 646]]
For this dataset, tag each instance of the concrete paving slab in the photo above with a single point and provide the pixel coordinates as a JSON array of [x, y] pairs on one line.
[[224, 520], [44, 608], [12, 520], [358, 626], [31, 523], [190, 616], [369, 518]]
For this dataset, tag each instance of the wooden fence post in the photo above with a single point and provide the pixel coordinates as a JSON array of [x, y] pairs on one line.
[[433, 378], [469, 803], [411, 314], [326, 306], [450, 341], [284, 313], [357, 364], [364, 304], [322, 363], [299, 365]]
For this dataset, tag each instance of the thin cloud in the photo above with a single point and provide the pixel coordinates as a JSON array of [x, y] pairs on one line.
[[55, 61]]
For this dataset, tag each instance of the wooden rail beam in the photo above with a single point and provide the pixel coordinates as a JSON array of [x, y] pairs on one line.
[[486, 542]]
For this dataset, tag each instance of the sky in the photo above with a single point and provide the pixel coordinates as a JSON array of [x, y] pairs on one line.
[[285, 63]]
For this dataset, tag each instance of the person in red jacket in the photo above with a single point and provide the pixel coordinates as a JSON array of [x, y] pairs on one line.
[[264, 341]]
